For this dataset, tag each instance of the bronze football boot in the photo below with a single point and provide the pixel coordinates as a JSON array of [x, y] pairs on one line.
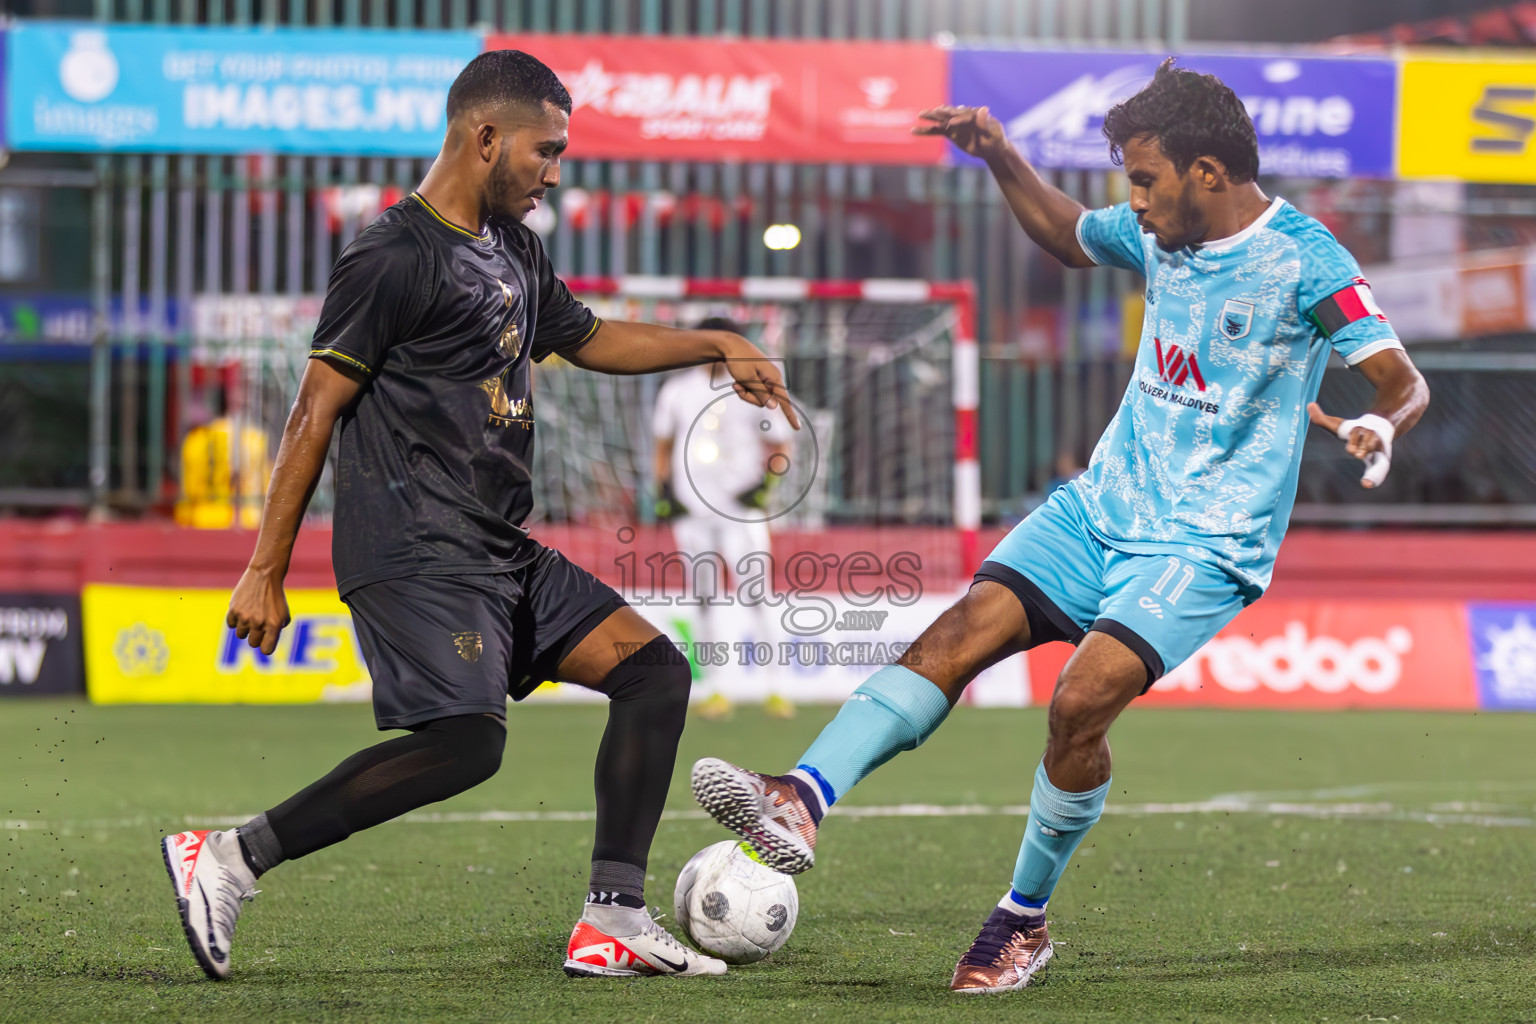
[[1005, 956]]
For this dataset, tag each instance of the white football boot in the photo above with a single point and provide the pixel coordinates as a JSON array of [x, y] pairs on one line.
[[624, 942], [212, 883]]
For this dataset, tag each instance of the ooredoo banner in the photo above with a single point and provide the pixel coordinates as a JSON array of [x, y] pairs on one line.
[[1307, 655], [658, 98], [141, 88], [1320, 117]]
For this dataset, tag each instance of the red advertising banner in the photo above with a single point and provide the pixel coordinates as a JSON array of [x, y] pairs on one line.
[[664, 98], [1304, 655]]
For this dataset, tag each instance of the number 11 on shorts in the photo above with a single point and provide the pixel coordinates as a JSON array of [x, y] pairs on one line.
[[1185, 579]]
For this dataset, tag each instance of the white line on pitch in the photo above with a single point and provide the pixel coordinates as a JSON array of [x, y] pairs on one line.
[[1379, 811]]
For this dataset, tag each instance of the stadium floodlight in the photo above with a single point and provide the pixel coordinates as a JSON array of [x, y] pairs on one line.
[[781, 237]]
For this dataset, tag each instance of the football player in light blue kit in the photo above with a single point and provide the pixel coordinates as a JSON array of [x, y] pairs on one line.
[[1174, 526]]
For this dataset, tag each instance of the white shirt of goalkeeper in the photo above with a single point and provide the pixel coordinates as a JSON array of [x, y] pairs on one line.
[[720, 443]]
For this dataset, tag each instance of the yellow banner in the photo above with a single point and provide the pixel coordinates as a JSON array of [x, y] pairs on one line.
[[1471, 119], [149, 645]]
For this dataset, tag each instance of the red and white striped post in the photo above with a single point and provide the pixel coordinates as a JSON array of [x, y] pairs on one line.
[[965, 356]]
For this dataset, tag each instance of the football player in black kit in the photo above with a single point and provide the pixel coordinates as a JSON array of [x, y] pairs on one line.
[[422, 354]]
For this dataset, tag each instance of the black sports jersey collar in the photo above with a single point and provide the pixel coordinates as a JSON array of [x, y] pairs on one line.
[[483, 238]]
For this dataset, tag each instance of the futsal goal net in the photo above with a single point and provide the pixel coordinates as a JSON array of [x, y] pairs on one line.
[[883, 372]]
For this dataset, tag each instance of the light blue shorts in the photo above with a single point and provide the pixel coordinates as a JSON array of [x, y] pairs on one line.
[[1163, 606]]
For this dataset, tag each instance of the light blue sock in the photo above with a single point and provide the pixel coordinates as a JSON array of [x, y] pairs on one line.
[[1057, 823], [896, 709]]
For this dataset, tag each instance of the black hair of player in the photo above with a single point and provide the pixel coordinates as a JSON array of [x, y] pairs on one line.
[[719, 323], [500, 78], [1190, 115]]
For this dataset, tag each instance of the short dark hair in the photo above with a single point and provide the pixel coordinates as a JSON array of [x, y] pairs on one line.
[[719, 323], [502, 77], [1190, 115]]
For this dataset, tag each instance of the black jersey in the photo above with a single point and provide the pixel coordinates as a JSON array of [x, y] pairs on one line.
[[434, 467]]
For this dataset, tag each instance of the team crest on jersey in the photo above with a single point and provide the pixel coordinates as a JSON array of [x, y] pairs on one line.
[[1236, 319], [506, 294], [470, 646]]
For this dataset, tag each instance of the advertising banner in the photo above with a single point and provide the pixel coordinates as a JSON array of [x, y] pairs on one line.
[[1423, 301], [748, 654], [1307, 655], [158, 646], [141, 88], [1315, 116], [40, 644], [33, 317], [662, 98], [1470, 118], [171, 645]]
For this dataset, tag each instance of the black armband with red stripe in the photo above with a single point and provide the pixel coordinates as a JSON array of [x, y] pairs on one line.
[[1346, 306]]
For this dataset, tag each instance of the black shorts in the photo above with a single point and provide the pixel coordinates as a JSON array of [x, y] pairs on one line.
[[460, 645]]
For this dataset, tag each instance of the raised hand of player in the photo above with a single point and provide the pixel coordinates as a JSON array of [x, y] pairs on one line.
[[973, 129], [258, 609], [1368, 438], [758, 380]]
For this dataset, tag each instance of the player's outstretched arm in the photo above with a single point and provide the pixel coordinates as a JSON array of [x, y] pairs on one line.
[[258, 611], [622, 347], [1401, 398], [1047, 214]]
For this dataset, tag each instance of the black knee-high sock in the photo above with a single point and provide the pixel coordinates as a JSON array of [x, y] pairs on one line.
[[648, 703], [436, 761]]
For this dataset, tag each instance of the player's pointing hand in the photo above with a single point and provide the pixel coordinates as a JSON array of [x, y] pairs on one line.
[[758, 380], [973, 129], [1368, 438]]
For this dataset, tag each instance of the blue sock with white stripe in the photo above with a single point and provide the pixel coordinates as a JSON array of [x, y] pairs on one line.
[[1057, 823], [894, 710]]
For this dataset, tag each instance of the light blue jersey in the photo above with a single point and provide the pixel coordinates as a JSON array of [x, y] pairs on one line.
[[1201, 459]]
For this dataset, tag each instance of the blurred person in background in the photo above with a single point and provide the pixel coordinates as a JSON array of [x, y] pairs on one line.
[[715, 462], [1066, 469]]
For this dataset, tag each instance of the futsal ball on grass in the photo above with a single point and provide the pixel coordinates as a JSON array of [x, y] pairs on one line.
[[733, 907]]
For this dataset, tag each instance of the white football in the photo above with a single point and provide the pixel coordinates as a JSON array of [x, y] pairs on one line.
[[733, 907]]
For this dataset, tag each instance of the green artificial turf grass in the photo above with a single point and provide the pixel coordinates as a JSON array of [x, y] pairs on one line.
[[1356, 867]]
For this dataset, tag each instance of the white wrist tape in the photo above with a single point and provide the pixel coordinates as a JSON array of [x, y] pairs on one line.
[[1376, 463]]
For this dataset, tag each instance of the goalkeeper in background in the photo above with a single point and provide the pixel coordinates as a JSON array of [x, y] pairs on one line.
[[716, 459], [1174, 526]]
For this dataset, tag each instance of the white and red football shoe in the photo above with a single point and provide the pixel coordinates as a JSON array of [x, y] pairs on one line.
[[212, 883], [595, 952]]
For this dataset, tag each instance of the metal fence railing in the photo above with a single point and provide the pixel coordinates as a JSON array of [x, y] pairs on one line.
[[159, 231], [155, 234]]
